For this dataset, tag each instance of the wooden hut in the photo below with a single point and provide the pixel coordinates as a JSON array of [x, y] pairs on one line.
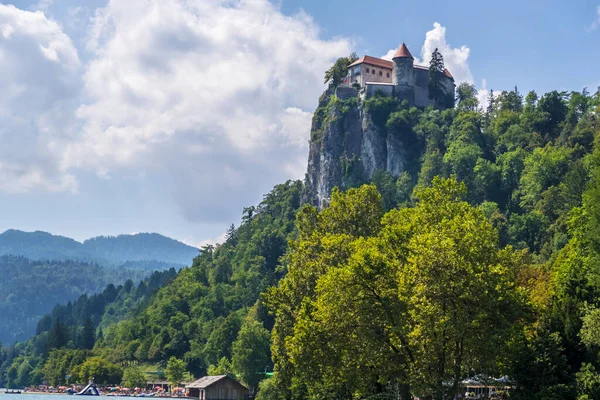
[[219, 387]]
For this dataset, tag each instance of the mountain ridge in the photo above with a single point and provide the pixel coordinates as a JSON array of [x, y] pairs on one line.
[[110, 251]]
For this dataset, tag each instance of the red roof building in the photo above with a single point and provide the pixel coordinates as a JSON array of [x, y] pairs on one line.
[[399, 77]]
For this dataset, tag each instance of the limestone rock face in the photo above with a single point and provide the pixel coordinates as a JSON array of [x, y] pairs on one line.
[[346, 148]]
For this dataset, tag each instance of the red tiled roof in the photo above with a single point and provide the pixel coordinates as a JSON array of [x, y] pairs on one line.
[[378, 62], [403, 52]]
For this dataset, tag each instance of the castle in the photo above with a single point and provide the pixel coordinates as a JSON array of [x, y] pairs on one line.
[[399, 77]]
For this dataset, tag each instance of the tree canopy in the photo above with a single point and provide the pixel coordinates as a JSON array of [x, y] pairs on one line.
[[481, 257]]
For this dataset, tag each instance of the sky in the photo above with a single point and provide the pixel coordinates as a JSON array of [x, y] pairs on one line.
[[170, 116]]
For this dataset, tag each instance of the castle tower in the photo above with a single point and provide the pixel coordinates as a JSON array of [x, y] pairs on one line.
[[403, 67]]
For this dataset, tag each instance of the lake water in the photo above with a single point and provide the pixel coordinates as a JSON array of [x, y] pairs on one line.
[[35, 396]]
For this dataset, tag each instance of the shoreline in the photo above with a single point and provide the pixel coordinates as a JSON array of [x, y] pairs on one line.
[[101, 395], [3, 391]]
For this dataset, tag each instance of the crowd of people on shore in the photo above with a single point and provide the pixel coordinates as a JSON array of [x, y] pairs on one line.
[[107, 390]]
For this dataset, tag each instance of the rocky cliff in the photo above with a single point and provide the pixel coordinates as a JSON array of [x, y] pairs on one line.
[[348, 144]]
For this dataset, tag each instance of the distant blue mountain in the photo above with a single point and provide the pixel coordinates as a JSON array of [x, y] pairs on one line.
[[143, 250]]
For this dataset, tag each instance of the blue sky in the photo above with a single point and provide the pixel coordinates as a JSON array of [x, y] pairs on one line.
[[170, 116], [541, 45]]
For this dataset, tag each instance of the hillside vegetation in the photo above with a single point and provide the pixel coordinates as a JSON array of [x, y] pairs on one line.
[[481, 258], [29, 289], [70, 331], [196, 317]]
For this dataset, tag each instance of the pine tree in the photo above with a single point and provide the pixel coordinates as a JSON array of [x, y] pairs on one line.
[[88, 338], [58, 336], [231, 235], [489, 111], [436, 76], [100, 335]]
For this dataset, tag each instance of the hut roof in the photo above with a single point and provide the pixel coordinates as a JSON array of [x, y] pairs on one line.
[[207, 381]]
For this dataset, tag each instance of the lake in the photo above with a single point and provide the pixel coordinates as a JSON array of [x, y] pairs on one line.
[[36, 396]]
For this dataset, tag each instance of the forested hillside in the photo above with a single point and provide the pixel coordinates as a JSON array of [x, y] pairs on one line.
[[198, 316], [413, 301], [29, 289], [72, 330], [480, 257], [149, 251]]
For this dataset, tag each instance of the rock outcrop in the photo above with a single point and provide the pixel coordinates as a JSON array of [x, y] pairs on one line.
[[346, 148]]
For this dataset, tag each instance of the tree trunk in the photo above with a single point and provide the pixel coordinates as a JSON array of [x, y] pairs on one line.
[[404, 391]]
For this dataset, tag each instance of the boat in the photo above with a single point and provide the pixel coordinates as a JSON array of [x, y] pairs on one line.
[[89, 390], [12, 391]]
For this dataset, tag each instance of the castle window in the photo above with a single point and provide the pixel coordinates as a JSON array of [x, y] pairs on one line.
[[380, 73], [388, 74], [366, 70]]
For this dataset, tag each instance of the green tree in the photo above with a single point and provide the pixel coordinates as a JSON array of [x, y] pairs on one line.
[[510, 100], [133, 377], [450, 237], [404, 187], [323, 240], [539, 367], [88, 336], [99, 369], [251, 353], [490, 109], [590, 331], [221, 338], [12, 376], [24, 373], [554, 108], [62, 362], [267, 390], [414, 303], [223, 367], [543, 168], [433, 165], [338, 71], [436, 87], [588, 383], [175, 371], [466, 97], [58, 336]]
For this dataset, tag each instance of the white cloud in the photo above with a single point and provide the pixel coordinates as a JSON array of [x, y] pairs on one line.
[[596, 22], [212, 241], [217, 96], [482, 94], [214, 99], [455, 59], [389, 55], [40, 70]]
